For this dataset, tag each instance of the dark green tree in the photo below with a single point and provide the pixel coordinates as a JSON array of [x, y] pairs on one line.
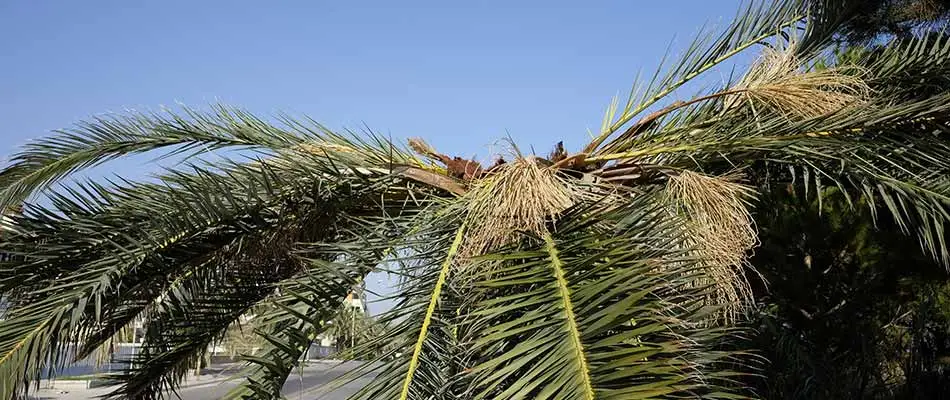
[[846, 308], [872, 19]]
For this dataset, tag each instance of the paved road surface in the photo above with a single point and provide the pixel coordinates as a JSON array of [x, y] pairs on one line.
[[213, 386]]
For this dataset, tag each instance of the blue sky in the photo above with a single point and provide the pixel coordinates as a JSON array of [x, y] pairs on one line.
[[460, 74]]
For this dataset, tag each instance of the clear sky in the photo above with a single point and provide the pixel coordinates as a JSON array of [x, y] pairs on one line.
[[460, 74]]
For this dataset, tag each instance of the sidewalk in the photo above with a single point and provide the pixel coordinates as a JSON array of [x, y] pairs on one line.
[[217, 380]]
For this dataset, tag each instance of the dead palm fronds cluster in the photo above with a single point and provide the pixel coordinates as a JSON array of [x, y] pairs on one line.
[[519, 197], [778, 81], [720, 230], [610, 272]]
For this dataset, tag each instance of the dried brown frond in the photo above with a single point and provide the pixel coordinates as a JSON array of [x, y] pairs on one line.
[[432, 179], [519, 196], [420, 146], [778, 81], [720, 231], [461, 168], [456, 167]]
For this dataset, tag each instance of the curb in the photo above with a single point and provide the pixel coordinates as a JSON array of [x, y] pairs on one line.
[[189, 382], [64, 384]]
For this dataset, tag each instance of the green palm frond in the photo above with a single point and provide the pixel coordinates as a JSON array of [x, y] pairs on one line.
[[157, 247], [290, 321], [530, 328], [588, 312], [754, 23], [48, 160], [420, 339], [891, 144]]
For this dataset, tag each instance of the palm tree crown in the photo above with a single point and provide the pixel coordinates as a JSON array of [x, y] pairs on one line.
[[614, 272]]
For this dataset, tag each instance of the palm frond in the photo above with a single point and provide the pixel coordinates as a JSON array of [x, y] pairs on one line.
[[189, 133], [595, 311], [754, 23], [891, 144], [149, 238], [290, 320], [421, 340]]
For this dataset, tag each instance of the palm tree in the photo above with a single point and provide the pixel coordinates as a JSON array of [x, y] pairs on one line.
[[616, 271]]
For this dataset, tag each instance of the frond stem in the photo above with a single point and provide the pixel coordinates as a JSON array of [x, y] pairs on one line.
[[698, 146], [649, 119], [569, 318], [436, 294]]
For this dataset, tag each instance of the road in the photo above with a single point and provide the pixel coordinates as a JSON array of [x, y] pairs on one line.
[[301, 385]]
